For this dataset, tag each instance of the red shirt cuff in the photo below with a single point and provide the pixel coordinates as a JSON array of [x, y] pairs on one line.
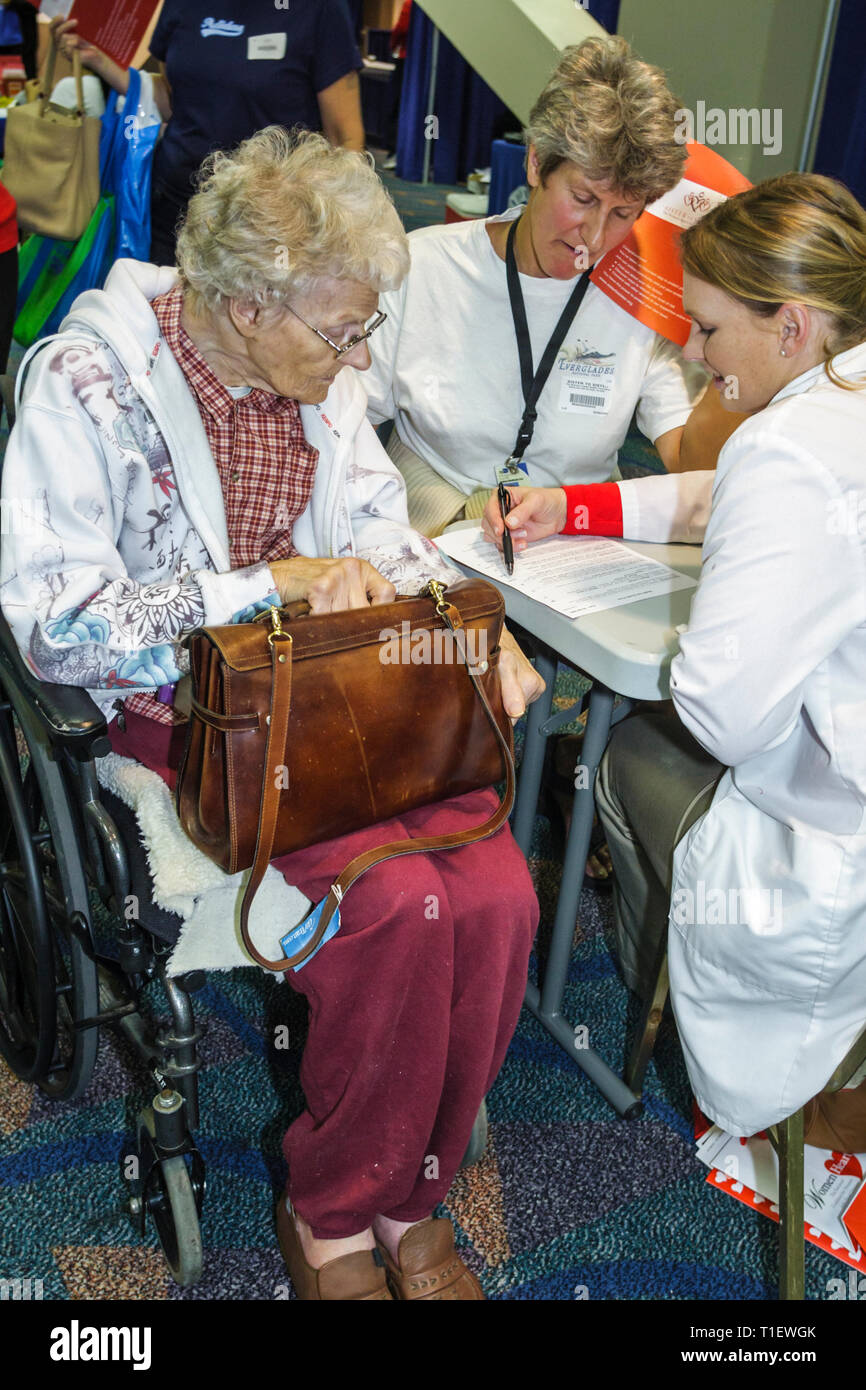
[[593, 509]]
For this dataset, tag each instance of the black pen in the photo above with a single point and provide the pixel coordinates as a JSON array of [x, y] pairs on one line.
[[507, 547]]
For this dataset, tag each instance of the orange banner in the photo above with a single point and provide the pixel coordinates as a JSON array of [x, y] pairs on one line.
[[643, 275]]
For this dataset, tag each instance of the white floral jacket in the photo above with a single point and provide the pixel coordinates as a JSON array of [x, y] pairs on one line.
[[115, 545]]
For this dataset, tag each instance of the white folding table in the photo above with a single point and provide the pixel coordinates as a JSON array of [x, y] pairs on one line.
[[625, 652]]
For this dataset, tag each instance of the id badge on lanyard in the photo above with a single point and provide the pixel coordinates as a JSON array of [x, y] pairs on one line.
[[514, 471]]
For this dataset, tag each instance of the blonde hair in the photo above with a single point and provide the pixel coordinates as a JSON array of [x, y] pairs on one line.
[[611, 115], [283, 211], [798, 238]]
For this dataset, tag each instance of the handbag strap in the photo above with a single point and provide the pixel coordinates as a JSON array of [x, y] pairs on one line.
[[281, 695], [48, 84], [48, 80]]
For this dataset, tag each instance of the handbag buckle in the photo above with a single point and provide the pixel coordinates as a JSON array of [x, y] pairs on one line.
[[277, 629], [435, 590]]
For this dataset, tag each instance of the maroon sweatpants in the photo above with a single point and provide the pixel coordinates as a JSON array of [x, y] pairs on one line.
[[412, 1005]]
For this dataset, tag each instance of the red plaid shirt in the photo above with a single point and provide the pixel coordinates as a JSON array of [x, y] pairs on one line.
[[265, 464], [266, 467]]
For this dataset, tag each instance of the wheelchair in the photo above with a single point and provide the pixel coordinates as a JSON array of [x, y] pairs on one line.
[[67, 846]]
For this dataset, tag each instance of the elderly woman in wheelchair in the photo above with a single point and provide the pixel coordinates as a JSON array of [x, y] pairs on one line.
[[197, 454]]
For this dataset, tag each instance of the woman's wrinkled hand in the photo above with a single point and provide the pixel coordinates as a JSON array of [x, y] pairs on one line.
[[331, 585], [540, 512], [520, 682]]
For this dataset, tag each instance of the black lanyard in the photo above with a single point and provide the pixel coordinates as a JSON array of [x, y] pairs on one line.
[[533, 383]]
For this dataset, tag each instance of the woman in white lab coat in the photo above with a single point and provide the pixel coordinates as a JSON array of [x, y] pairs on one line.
[[766, 891]]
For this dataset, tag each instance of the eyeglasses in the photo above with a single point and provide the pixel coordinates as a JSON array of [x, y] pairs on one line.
[[352, 343]]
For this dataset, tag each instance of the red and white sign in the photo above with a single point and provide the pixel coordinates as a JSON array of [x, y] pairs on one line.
[[121, 29], [834, 1191]]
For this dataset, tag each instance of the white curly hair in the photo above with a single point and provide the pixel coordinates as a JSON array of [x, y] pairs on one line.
[[281, 212]]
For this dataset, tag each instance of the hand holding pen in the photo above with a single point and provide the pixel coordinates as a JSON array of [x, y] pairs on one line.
[[538, 512], [504, 497]]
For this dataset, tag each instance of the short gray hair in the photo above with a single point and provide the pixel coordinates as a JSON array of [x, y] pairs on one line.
[[283, 211], [613, 116]]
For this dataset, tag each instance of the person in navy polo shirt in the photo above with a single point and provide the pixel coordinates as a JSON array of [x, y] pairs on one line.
[[227, 73]]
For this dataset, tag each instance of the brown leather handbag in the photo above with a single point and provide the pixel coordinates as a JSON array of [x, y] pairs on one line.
[[306, 727]]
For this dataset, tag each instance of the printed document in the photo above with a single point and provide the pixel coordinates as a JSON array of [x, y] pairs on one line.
[[574, 575]]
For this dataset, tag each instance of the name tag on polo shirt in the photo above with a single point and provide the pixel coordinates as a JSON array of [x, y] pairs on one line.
[[266, 46], [586, 380]]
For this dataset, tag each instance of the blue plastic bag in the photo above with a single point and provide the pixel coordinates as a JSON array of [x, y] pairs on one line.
[[90, 265], [126, 151]]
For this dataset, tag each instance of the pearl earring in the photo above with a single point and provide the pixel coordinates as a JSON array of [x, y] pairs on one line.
[[782, 352]]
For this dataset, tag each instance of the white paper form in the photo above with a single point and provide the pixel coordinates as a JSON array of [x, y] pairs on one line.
[[574, 575]]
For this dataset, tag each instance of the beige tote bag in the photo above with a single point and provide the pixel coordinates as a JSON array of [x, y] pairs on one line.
[[51, 162]]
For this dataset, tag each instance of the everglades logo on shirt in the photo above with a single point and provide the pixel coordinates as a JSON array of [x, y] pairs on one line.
[[581, 352], [221, 28], [587, 376]]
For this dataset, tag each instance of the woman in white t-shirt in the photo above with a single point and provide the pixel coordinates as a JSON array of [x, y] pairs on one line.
[[446, 367]]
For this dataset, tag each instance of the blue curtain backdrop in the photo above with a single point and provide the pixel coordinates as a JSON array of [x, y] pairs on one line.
[[606, 12], [466, 108], [10, 29], [841, 149]]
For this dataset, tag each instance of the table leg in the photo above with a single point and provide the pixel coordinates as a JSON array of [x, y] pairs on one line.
[[546, 1004], [532, 764], [577, 847]]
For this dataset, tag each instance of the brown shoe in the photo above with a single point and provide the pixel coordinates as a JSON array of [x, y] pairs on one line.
[[359, 1276], [429, 1266]]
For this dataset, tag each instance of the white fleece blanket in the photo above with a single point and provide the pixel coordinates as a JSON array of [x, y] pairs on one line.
[[188, 883]]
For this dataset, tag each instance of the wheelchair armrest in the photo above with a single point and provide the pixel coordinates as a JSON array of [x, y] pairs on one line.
[[68, 713]]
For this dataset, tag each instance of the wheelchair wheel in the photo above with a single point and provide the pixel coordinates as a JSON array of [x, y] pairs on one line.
[[171, 1195], [47, 981], [171, 1202], [477, 1139]]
